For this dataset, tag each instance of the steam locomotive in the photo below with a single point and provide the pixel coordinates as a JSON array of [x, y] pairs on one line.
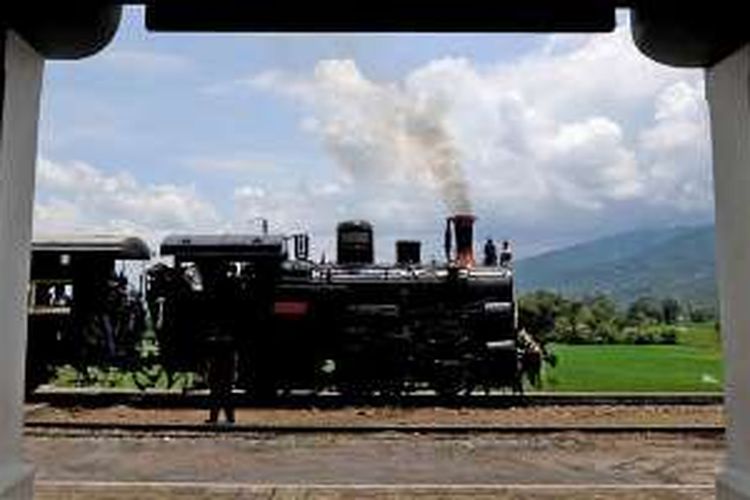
[[353, 325]]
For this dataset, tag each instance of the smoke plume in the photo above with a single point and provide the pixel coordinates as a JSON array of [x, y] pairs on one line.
[[434, 144], [379, 132]]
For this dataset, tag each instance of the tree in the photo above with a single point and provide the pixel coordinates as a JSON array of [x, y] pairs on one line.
[[571, 326], [700, 314], [602, 318], [645, 310], [603, 308], [670, 310], [538, 313]]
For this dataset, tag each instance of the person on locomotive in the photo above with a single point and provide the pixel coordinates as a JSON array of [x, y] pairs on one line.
[[506, 254], [490, 253]]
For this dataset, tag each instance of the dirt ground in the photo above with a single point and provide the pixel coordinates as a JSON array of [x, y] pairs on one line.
[[562, 415], [385, 459], [53, 491], [392, 466]]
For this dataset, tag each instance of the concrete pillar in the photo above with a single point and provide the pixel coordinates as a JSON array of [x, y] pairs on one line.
[[728, 92], [21, 86]]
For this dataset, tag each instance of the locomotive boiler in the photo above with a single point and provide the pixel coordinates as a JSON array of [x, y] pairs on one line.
[[355, 326]]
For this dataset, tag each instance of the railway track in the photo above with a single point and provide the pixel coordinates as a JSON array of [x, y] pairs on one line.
[[94, 398], [191, 430]]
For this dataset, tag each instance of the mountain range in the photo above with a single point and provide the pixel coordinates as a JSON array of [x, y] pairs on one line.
[[667, 262]]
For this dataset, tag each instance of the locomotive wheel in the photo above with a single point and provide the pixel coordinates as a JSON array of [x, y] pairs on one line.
[[354, 391], [392, 390], [450, 380], [448, 389]]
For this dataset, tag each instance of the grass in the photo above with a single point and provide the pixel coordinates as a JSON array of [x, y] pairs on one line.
[[115, 378], [152, 375], [694, 364]]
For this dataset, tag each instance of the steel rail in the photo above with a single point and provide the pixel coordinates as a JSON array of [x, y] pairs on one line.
[[188, 430], [173, 399]]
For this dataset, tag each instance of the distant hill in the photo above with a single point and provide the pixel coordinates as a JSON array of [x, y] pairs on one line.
[[676, 262]]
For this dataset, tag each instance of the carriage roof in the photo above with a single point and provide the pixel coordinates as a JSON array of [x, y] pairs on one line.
[[223, 246], [114, 246]]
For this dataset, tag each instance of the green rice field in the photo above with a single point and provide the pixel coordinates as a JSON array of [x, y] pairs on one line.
[[693, 364]]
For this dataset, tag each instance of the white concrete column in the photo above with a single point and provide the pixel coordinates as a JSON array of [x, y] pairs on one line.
[[22, 80], [728, 92]]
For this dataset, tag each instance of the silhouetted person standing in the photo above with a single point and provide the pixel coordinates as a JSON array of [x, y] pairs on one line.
[[219, 310], [221, 371]]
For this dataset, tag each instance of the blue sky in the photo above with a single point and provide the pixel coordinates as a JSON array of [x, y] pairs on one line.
[[552, 139]]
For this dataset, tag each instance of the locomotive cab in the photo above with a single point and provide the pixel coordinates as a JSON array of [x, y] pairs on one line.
[[218, 287]]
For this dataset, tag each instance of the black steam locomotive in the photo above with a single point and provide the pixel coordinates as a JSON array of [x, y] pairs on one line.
[[354, 326]]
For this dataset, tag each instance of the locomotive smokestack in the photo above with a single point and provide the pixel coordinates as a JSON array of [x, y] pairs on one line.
[[463, 227]]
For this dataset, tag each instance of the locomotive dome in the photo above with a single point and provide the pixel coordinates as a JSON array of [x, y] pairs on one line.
[[354, 242]]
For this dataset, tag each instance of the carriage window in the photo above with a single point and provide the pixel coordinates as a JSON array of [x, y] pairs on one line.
[[54, 293]]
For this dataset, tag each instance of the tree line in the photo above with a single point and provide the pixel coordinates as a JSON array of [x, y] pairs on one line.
[[597, 319]]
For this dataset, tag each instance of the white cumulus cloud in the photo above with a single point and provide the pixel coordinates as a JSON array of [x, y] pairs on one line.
[[584, 129], [76, 196], [584, 135]]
